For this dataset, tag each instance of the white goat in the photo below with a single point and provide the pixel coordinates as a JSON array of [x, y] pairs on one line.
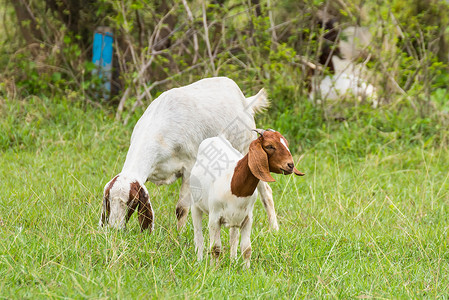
[[223, 184], [165, 141], [348, 80]]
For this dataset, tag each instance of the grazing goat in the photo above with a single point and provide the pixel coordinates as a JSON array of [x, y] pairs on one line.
[[347, 80], [223, 184], [165, 141]]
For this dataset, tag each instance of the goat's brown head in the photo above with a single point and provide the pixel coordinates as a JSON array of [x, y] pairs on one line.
[[121, 198], [270, 153]]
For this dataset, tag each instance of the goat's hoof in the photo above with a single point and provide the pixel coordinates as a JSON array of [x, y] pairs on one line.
[[180, 226], [214, 262], [247, 265], [274, 225], [181, 215]]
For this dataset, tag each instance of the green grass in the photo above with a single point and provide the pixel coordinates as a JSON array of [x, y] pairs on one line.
[[370, 218]]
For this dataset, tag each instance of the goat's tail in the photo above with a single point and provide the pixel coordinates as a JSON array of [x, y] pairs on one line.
[[258, 102]]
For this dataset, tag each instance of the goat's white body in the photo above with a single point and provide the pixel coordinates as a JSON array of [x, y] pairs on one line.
[[342, 85], [165, 140], [210, 184], [347, 81]]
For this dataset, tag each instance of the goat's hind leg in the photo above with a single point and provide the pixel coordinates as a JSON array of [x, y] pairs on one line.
[[197, 216], [184, 202], [266, 196]]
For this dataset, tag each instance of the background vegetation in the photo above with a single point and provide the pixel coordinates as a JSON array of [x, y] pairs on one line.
[[369, 219]]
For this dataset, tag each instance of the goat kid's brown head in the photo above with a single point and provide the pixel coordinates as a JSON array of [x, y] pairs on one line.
[[121, 198], [270, 153]]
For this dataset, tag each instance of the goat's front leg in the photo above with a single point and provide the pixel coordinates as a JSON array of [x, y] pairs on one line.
[[266, 196], [197, 216], [245, 243], [234, 241], [184, 202], [214, 235]]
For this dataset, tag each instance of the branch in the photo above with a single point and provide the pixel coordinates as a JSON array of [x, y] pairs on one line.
[[139, 78], [195, 37], [272, 25], [206, 38]]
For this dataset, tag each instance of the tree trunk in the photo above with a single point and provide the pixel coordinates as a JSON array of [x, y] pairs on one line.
[[27, 22]]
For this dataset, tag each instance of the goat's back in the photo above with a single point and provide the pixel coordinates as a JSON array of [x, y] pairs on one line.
[[165, 140]]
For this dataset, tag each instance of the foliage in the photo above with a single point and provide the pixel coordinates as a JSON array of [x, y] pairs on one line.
[[162, 44]]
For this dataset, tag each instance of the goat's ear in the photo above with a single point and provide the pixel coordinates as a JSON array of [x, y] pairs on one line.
[[258, 162], [132, 203], [146, 217], [106, 206], [105, 210]]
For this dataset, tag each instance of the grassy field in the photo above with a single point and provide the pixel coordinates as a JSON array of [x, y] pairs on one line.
[[360, 224]]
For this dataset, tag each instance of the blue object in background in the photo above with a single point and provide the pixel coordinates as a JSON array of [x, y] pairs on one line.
[[102, 57]]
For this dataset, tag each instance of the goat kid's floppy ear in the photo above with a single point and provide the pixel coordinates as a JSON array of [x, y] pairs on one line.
[[146, 216], [299, 173], [258, 162]]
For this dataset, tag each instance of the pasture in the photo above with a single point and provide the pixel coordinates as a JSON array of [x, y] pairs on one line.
[[369, 219]]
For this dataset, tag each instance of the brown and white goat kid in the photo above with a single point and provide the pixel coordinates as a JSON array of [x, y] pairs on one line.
[[223, 183]]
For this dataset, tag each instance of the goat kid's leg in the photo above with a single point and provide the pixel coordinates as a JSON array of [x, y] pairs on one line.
[[234, 241], [266, 196], [197, 216], [245, 243], [215, 239], [184, 202]]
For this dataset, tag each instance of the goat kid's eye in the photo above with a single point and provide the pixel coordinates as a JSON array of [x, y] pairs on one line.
[[270, 147]]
